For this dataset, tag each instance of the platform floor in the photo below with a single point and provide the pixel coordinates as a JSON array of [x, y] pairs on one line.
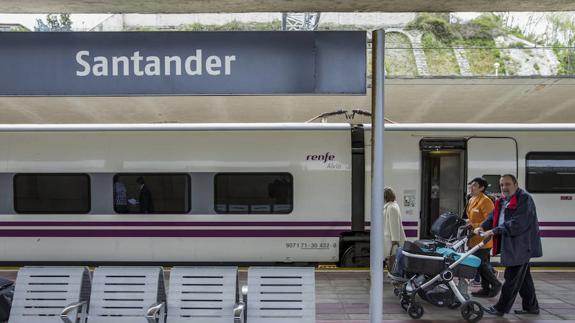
[[342, 296]]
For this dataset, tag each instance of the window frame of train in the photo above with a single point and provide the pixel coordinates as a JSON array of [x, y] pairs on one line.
[[88, 193], [249, 210], [187, 196], [493, 184], [539, 188]]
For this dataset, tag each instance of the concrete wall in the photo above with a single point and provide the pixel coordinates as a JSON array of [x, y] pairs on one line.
[[187, 6]]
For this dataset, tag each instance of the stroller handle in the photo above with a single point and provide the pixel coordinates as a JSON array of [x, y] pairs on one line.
[[486, 239]]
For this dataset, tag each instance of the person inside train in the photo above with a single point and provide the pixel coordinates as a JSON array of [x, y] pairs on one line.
[[478, 209], [514, 226], [393, 234], [120, 196], [145, 200]]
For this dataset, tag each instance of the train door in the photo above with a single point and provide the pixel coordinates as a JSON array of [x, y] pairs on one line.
[[443, 180], [490, 158], [449, 164]]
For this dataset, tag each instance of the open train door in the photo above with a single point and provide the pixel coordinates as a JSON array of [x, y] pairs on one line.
[[490, 158], [442, 180]]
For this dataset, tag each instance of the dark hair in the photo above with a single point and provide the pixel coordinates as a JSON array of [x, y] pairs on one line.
[[140, 180], [482, 182], [388, 195], [513, 178]]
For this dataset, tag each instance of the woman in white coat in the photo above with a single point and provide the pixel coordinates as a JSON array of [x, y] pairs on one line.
[[393, 233]]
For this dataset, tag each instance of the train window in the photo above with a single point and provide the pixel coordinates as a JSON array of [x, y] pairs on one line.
[[152, 193], [52, 193], [550, 172], [253, 193], [492, 185]]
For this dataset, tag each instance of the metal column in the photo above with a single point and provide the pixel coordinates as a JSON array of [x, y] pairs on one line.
[[376, 235]]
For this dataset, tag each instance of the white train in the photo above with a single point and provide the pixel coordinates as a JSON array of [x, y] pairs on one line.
[[248, 193]]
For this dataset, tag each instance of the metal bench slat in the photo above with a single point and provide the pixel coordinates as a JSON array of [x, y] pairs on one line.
[[202, 294], [281, 295], [42, 292], [124, 294]]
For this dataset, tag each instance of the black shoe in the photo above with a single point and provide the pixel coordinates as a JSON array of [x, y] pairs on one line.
[[493, 311], [480, 293], [533, 312], [494, 291]]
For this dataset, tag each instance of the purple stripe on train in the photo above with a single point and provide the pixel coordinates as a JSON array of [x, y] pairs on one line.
[[184, 223], [411, 233], [181, 233], [172, 233], [216, 233], [297, 231], [557, 233], [556, 224], [213, 223], [171, 223]]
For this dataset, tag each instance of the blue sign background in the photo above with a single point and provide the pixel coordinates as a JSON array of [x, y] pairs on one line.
[[266, 63]]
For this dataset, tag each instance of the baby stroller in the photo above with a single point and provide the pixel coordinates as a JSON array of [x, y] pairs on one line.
[[448, 229], [432, 266]]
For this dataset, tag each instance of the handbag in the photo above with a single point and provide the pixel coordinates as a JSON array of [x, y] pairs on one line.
[[390, 260]]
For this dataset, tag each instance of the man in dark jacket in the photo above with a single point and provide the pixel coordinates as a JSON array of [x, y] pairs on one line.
[[514, 227], [146, 201]]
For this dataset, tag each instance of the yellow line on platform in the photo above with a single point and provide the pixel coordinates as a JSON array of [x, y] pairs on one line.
[[329, 268], [549, 269]]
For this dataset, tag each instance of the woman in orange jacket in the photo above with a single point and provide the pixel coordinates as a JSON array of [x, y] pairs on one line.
[[478, 209]]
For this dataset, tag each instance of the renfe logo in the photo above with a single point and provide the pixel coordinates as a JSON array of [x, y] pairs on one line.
[[324, 158]]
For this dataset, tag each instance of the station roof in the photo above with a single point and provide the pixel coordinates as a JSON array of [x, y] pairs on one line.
[[196, 6], [447, 100]]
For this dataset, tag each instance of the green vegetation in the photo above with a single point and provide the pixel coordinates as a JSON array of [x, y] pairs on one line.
[[438, 37], [436, 24], [439, 55], [476, 36], [486, 26], [230, 26], [399, 59], [54, 22], [516, 45], [536, 67], [562, 39], [482, 55], [566, 57], [19, 29], [235, 25], [333, 26], [511, 66]]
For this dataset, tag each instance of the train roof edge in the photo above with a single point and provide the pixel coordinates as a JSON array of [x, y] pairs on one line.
[[283, 126]]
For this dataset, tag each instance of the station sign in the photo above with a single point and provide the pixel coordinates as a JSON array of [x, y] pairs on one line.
[[182, 63]]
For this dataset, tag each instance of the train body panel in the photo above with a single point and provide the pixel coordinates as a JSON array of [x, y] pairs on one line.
[[427, 167], [169, 250], [318, 161]]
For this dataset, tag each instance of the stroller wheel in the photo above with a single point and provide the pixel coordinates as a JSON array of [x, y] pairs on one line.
[[404, 303], [472, 311], [415, 311]]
